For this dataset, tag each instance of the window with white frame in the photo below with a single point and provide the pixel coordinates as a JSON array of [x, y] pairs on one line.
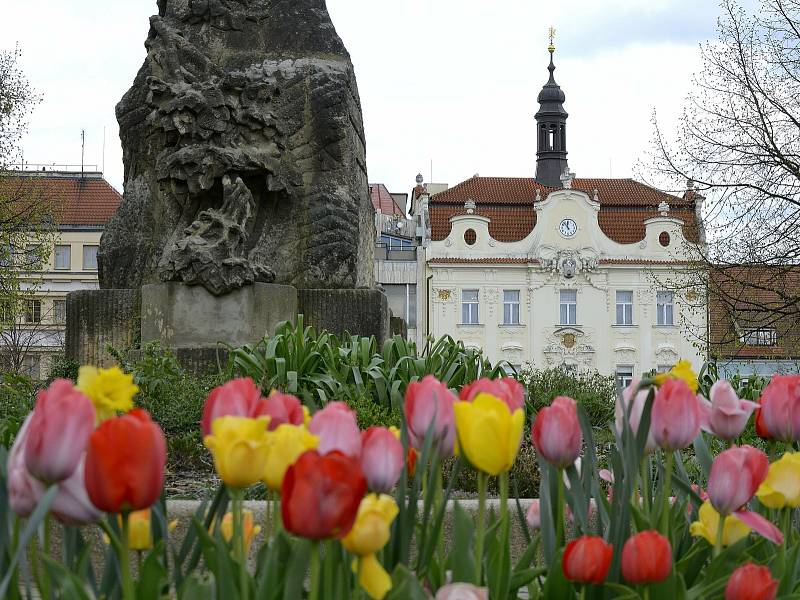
[[469, 307], [31, 366], [33, 311], [665, 308], [510, 307], [624, 307], [624, 376], [569, 307], [63, 258], [59, 310], [765, 336], [90, 258]]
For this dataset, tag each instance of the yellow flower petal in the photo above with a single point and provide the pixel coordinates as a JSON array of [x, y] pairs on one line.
[[681, 370], [489, 435], [286, 444], [110, 390], [240, 448], [373, 577], [371, 531], [781, 488], [734, 529]]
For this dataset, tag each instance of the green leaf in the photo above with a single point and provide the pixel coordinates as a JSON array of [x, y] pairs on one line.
[[198, 586], [462, 558], [67, 586], [405, 586], [556, 585], [153, 575], [296, 571]]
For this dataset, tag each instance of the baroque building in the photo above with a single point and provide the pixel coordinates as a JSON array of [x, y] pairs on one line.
[[558, 270]]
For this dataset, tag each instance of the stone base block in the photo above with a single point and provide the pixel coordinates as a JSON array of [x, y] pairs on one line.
[[181, 316], [97, 319], [358, 312]]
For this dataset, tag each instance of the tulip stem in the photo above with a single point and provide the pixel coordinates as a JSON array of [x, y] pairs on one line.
[[644, 471], [314, 594], [560, 533], [664, 528], [239, 543], [646, 593], [125, 559], [720, 532], [479, 532]]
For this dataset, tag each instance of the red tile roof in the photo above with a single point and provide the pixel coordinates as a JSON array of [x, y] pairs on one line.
[[70, 198], [382, 199], [508, 201]]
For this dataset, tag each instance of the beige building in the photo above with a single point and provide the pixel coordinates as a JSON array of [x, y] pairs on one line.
[[557, 270], [81, 204]]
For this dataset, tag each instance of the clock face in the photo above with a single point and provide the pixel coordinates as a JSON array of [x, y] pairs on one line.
[[568, 228]]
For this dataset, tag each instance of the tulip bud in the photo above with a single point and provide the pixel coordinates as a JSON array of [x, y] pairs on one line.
[[429, 405], [488, 434], [507, 389], [646, 558], [634, 402], [250, 529], [282, 409], [236, 398], [284, 447], [735, 476], [381, 458], [22, 496], [462, 591], [751, 582], [140, 534], [58, 432], [556, 432], [72, 505], [240, 447], [733, 529], [675, 420], [587, 559], [780, 408], [534, 514], [726, 413], [781, 488], [337, 429]]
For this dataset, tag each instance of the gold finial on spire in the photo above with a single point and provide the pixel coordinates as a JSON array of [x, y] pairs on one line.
[[551, 48]]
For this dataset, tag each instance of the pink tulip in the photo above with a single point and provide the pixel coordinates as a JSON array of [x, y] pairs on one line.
[[462, 591], [281, 408], [382, 458], [735, 476], [337, 429], [59, 428], [238, 398], [726, 415], [635, 416], [675, 420], [556, 432], [534, 514], [71, 505], [780, 408], [507, 389], [429, 404], [22, 495]]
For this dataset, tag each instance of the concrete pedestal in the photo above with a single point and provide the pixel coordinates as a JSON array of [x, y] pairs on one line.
[[97, 319], [358, 312]]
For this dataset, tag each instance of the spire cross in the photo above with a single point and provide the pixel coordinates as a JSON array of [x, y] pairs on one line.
[[551, 48]]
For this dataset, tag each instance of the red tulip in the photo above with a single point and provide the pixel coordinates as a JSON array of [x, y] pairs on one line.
[[780, 408], [556, 432], [646, 558], [726, 413], [411, 461], [675, 420], [761, 429], [59, 428], [125, 463], [507, 389], [237, 398], [337, 429], [381, 458], [320, 495], [429, 404], [281, 408], [735, 476], [587, 559], [751, 582], [634, 402]]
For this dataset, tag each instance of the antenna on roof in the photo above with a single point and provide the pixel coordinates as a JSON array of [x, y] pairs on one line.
[[83, 144], [104, 148]]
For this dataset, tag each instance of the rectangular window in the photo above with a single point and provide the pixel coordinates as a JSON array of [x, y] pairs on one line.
[[569, 307], [760, 337], [624, 307], [469, 307], [33, 311], [31, 366], [402, 301], [411, 321], [510, 307], [90, 258], [63, 258], [59, 311], [665, 308], [624, 376]]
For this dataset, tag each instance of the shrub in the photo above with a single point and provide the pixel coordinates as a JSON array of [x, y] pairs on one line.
[[17, 398], [62, 367]]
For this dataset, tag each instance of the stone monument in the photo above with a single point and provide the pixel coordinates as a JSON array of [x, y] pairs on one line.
[[245, 177]]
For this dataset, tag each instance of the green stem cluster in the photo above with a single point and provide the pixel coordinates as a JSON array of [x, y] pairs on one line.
[[125, 559], [480, 530]]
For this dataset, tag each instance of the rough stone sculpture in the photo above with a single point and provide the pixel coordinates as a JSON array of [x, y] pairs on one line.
[[244, 153]]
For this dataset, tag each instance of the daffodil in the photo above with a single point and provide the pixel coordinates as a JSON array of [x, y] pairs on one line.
[[369, 534], [682, 370], [110, 390], [489, 434], [781, 488], [733, 528], [285, 445], [240, 447]]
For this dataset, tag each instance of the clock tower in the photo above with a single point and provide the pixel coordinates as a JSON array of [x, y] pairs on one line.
[[551, 129]]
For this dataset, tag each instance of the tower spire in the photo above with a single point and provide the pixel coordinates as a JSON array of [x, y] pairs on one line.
[[551, 127]]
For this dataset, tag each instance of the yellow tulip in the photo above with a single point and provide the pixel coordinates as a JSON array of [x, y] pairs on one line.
[[110, 390], [250, 529], [781, 488], [306, 416], [488, 433], [733, 529], [240, 447], [369, 534], [681, 370], [140, 535], [286, 444], [395, 431]]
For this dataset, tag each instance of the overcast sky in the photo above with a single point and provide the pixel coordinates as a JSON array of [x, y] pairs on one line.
[[447, 82]]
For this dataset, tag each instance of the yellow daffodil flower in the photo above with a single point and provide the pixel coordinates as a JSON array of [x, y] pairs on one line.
[[369, 534], [733, 531], [681, 370], [240, 447], [286, 444], [250, 529], [781, 488], [488, 433], [110, 390]]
